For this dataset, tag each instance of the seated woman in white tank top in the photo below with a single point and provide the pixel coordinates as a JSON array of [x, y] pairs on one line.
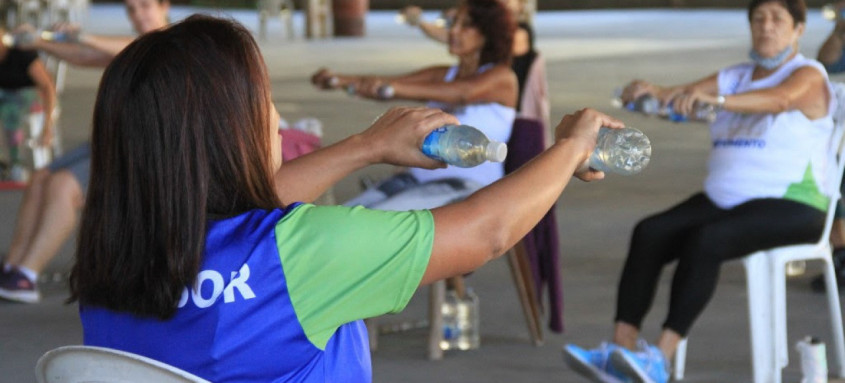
[[771, 173], [480, 90]]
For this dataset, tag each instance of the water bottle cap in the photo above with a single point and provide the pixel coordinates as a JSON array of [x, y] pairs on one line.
[[497, 151]]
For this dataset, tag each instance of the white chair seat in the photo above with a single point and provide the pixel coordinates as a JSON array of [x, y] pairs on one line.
[[78, 364]]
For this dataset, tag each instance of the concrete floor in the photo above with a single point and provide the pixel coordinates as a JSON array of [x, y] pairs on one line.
[[588, 53]]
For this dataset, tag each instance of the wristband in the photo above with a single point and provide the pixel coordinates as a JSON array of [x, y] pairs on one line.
[[720, 101]]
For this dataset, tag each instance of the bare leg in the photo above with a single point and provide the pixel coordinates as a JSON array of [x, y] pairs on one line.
[[63, 198], [626, 335], [28, 214], [668, 342]]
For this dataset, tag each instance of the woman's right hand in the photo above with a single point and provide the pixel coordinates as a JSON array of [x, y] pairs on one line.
[[322, 79], [637, 89], [397, 136], [412, 14], [582, 128]]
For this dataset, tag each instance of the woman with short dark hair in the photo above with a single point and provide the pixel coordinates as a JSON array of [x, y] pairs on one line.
[[191, 253], [771, 173]]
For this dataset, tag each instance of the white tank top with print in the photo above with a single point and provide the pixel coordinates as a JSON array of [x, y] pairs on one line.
[[783, 155]]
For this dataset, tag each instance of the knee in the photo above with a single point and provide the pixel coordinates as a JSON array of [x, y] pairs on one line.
[[648, 231], [64, 185]]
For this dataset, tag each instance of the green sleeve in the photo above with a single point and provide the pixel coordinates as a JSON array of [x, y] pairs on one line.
[[343, 264]]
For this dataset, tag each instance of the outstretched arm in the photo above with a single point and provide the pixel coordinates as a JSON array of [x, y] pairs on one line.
[[395, 138], [469, 233]]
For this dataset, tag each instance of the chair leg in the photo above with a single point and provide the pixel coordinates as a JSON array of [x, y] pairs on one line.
[[760, 317], [529, 308], [680, 360], [838, 342], [436, 295]]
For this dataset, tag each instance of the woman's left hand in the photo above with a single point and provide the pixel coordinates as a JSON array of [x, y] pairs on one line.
[[369, 87], [684, 102]]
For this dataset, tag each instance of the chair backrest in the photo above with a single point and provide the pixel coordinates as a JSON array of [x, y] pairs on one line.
[[77, 364], [838, 139]]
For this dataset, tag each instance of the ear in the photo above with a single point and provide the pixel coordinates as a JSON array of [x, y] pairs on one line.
[[799, 29]]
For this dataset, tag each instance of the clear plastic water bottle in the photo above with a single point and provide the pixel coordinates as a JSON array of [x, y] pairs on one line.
[[830, 12], [468, 322], [449, 315], [645, 104], [813, 360], [624, 151], [60, 36], [460, 322], [701, 112], [463, 146]]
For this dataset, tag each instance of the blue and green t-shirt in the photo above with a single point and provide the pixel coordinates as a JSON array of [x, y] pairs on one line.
[[281, 294]]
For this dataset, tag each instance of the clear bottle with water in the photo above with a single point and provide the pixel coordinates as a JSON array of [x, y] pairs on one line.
[[25, 38], [463, 146], [623, 151], [645, 104], [460, 321], [701, 112], [832, 13]]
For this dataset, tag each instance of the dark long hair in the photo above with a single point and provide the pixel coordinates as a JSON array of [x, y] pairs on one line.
[[181, 134], [497, 25], [796, 8]]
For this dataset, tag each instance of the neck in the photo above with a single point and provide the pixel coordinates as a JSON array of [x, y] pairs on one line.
[[760, 72], [469, 64]]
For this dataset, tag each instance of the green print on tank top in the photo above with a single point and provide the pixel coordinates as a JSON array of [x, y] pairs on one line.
[[807, 191]]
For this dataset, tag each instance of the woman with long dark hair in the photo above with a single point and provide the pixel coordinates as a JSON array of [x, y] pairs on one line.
[[190, 253]]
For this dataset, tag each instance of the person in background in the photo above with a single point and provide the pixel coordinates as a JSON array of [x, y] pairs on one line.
[[831, 55], [480, 90], [55, 195], [770, 178], [209, 281], [22, 76]]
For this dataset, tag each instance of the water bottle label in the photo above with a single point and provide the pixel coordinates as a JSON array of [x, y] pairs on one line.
[[429, 147]]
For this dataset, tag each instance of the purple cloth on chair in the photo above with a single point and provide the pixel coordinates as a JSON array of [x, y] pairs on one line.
[[541, 243]]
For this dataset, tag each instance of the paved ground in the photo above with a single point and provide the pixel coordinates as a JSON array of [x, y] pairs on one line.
[[588, 54]]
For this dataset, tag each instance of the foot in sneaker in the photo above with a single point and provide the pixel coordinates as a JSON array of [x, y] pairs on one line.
[[648, 365], [15, 286], [594, 364]]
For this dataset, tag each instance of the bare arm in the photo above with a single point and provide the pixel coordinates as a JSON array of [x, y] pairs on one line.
[[395, 138], [498, 85], [435, 32], [470, 233], [805, 90], [831, 51], [76, 54], [110, 45], [47, 91], [321, 78]]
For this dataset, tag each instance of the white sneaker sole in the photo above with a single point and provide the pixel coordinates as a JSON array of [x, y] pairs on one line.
[[21, 296], [587, 369], [622, 362]]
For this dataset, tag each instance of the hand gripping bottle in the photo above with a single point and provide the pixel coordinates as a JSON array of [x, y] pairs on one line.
[[623, 151]]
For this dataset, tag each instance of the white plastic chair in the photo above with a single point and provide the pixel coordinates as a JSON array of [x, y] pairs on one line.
[[78, 364], [766, 278], [268, 8]]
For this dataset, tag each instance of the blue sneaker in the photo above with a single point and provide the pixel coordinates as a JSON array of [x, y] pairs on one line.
[[594, 364], [648, 365]]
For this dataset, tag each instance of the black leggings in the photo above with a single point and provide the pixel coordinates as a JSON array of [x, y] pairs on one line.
[[701, 236]]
